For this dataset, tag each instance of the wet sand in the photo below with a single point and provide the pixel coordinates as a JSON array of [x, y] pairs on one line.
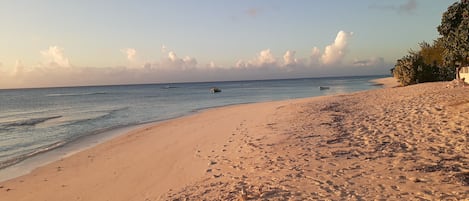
[[404, 143]]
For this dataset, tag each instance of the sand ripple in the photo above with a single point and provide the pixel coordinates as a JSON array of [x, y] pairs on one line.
[[408, 143]]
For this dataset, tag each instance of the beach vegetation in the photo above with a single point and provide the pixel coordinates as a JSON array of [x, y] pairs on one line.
[[424, 65], [454, 29], [439, 61]]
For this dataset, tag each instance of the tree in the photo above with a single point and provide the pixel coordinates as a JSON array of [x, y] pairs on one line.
[[405, 69], [424, 65], [454, 30], [432, 53], [433, 57]]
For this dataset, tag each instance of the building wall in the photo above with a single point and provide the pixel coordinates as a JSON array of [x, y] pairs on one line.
[[464, 73]]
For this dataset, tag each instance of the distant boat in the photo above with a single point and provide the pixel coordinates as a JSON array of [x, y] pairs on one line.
[[324, 88], [215, 90]]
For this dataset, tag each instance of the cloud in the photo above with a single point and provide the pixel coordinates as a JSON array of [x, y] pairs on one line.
[[212, 65], [130, 53], [375, 61], [264, 58], [55, 57], [172, 68], [171, 61], [335, 53], [289, 58], [407, 7], [253, 12]]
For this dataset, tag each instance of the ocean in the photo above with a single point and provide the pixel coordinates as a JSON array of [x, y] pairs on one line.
[[35, 121]]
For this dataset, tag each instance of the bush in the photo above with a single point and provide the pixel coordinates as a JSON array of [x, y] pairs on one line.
[[425, 65], [405, 69]]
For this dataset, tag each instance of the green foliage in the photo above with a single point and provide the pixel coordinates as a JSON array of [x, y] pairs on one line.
[[454, 30], [432, 54], [438, 61], [425, 65], [405, 69]]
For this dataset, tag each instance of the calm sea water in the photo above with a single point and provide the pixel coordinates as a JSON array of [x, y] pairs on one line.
[[33, 121]]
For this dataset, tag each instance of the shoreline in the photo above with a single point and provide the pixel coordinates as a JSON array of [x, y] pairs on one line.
[[387, 82], [25, 166], [275, 148]]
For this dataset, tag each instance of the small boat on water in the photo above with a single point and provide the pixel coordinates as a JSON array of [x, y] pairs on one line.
[[324, 88], [215, 90]]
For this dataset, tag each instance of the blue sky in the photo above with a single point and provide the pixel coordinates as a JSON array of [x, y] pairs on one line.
[[87, 42]]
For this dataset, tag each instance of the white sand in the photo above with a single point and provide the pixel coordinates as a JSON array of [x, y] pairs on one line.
[[405, 143], [387, 82]]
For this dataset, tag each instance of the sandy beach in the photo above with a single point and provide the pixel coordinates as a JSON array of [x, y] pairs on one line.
[[401, 143]]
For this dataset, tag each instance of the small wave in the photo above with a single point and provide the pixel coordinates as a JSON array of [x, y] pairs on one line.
[[29, 122], [76, 94], [81, 117], [15, 160], [169, 87]]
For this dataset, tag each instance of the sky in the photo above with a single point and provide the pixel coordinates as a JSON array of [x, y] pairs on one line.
[[48, 43]]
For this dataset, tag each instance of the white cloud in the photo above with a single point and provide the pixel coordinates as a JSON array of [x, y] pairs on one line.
[[289, 58], [189, 61], [335, 53], [172, 68], [55, 57], [315, 52], [264, 58], [173, 61], [131, 53], [173, 57]]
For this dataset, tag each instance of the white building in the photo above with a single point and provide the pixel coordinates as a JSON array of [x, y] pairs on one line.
[[464, 73]]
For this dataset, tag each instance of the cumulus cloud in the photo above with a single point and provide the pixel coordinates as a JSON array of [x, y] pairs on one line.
[[289, 58], [171, 67], [407, 7], [315, 56], [335, 53], [173, 61], [131, 53], [264, 58], [55, 57]]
